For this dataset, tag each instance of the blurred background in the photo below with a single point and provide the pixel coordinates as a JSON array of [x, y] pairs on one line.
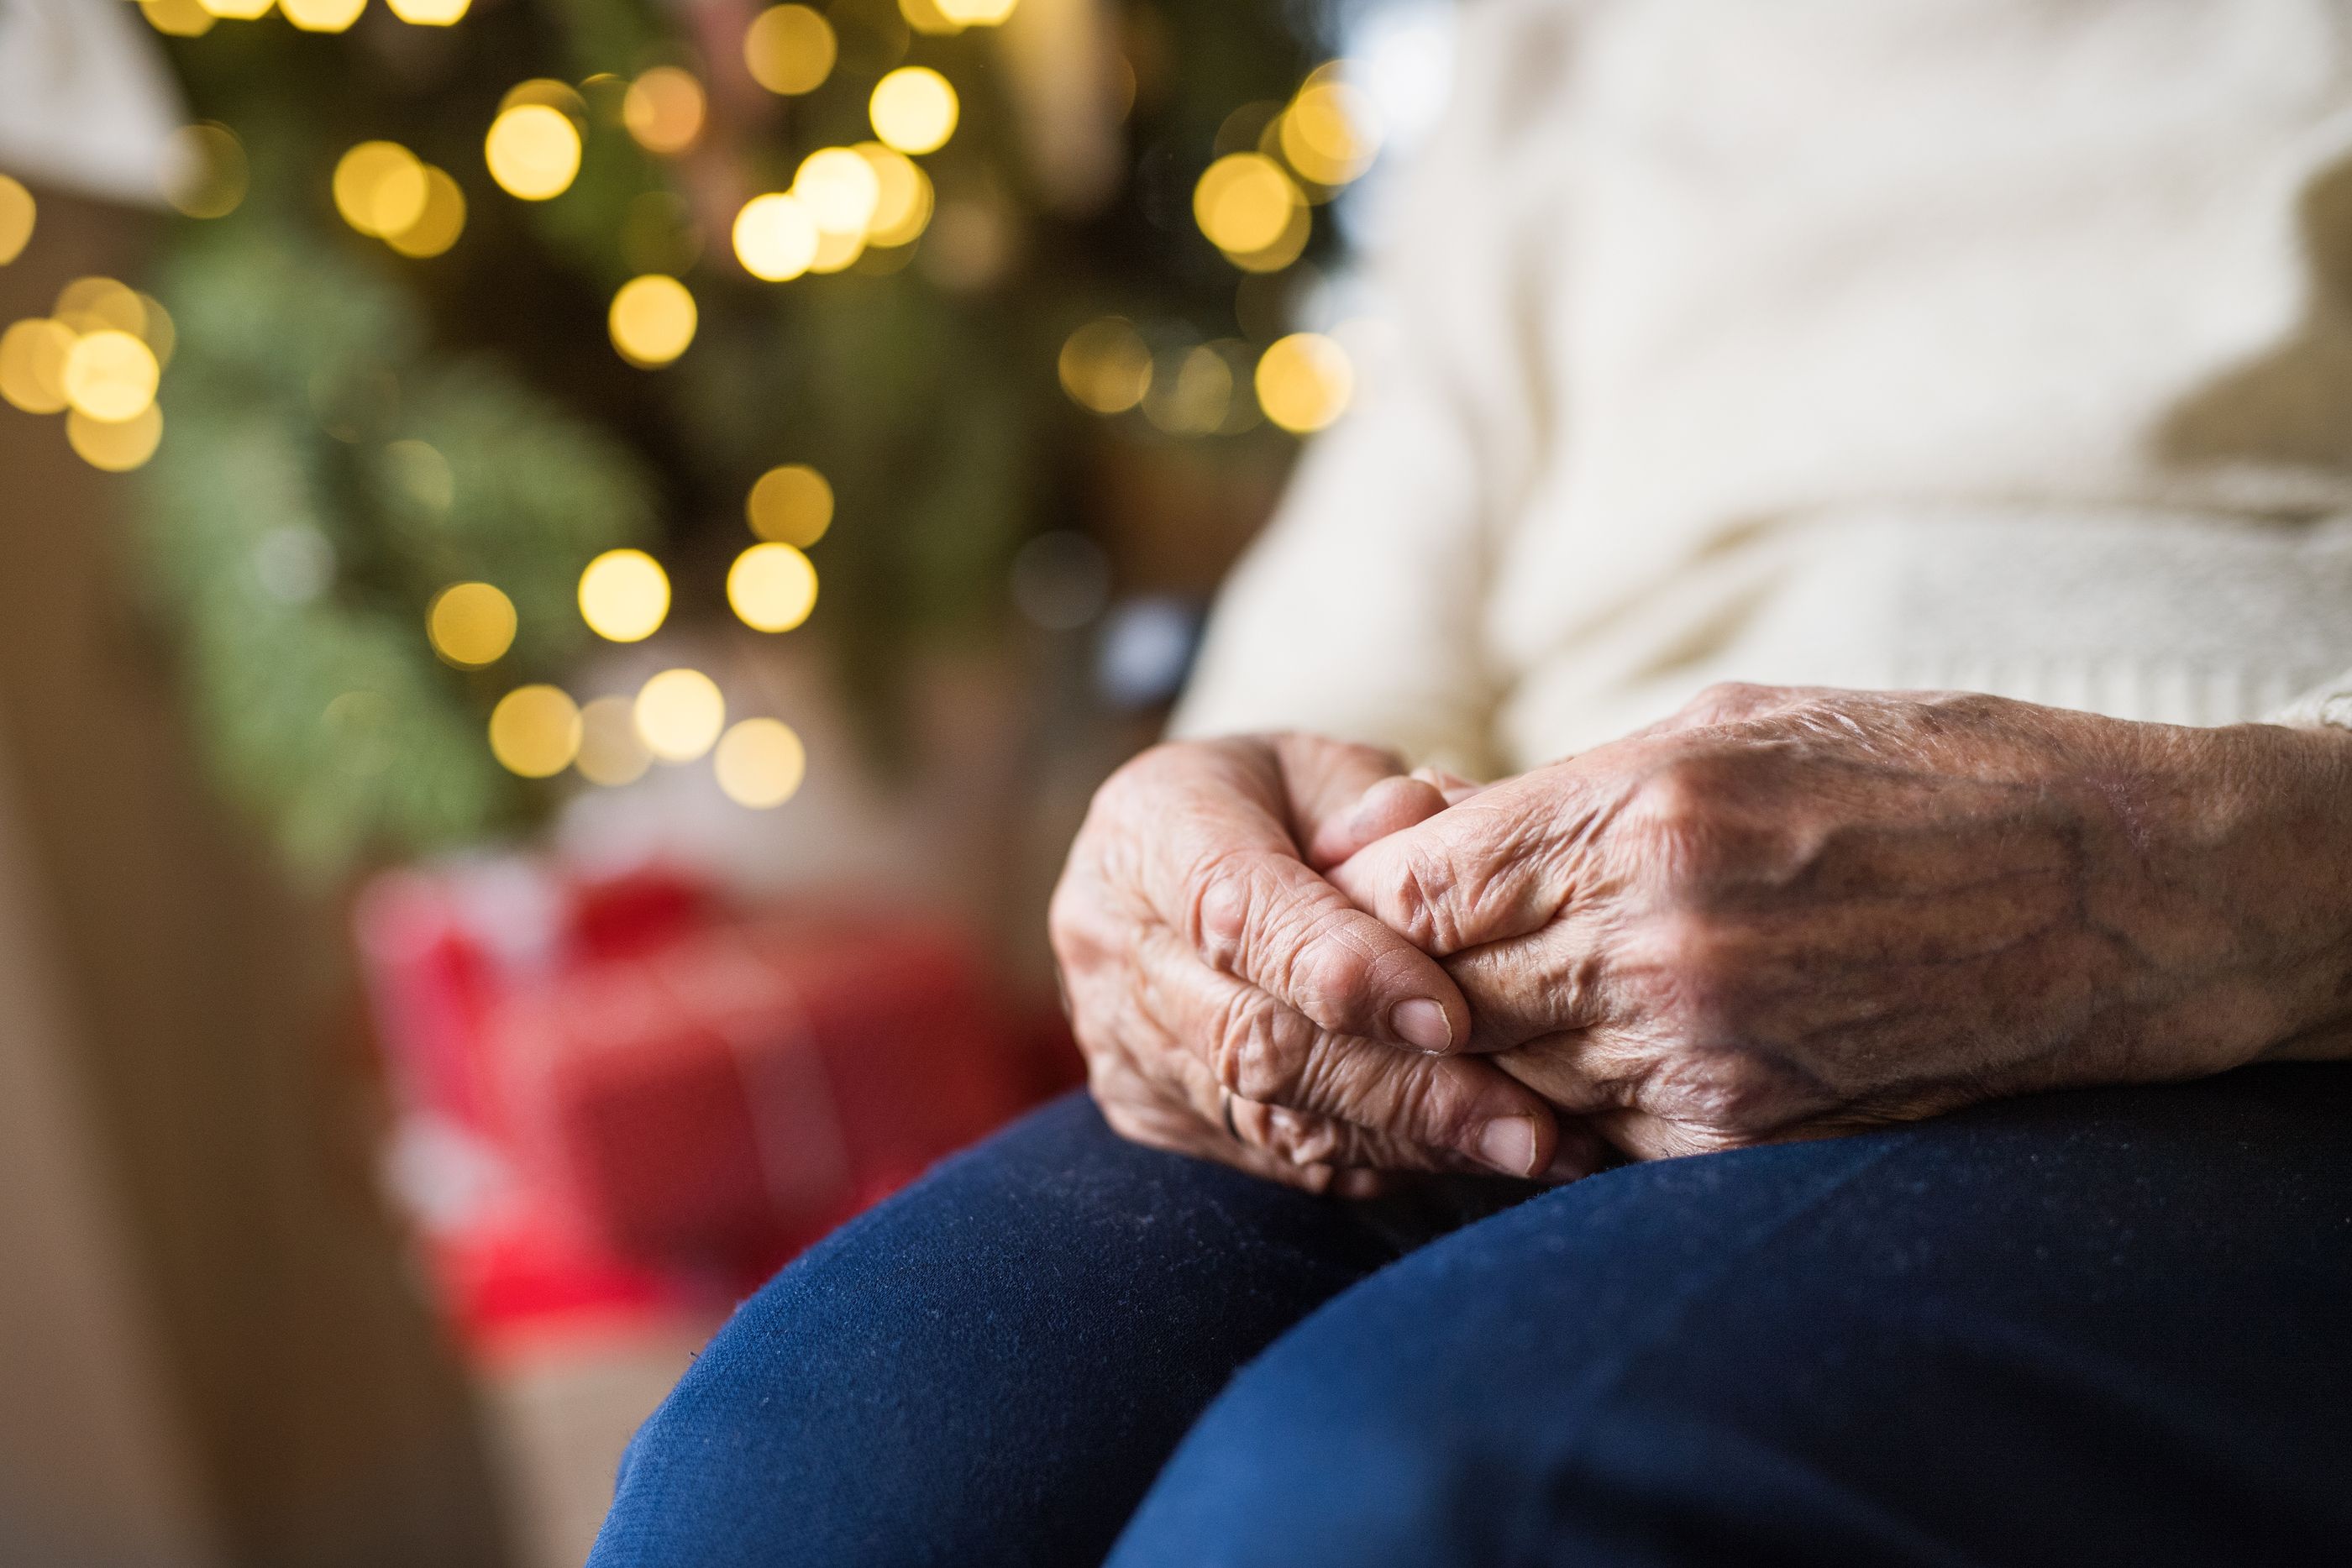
[[567, 569]]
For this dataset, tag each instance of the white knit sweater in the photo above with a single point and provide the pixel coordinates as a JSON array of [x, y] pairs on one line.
[[1994, 344]]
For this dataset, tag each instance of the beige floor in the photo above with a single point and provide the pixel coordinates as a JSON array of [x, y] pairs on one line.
[[557, 1419]]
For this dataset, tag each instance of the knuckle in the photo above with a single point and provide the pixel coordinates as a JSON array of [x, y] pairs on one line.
[[1424, 1111], [1681, 812], [1261, 1051], [1728, 700], [1302, 1139], [1222, 895], [1414, 890], [1320, 968]]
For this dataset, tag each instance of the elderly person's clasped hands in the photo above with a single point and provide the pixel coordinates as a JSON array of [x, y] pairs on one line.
[[1781, 914]]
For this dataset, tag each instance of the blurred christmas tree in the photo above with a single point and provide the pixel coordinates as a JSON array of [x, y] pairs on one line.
[[471, 297]]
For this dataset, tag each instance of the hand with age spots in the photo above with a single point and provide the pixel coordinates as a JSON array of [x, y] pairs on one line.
[[1233, 1004], [1788, 914]]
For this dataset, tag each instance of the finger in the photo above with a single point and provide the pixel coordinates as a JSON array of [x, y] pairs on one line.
[[1452, 786], [1323, 779], [1295, 1148], [1221, 866], [1266, 1051], [1564, 977], [1344, 796], [1305, 1138], [1169, 1091], [1582, 1072], [1643, 1136], [1157, 1116], [1581, 1152], [1264, 917], [1499, 865], [1389, 807]]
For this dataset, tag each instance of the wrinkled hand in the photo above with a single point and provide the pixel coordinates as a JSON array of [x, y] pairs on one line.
[[1787, 913], [1231, 1003]]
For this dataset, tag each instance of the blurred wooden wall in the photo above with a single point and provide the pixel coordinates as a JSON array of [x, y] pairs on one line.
[[211, 1348]]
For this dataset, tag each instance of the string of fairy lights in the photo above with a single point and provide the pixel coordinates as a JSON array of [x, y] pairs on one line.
[[99, 356]]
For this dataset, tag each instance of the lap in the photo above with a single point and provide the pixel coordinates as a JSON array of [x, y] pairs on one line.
[[990, 1366], [2106, 1326]]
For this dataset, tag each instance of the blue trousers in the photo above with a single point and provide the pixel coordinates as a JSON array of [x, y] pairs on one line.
[[2102, 1327]]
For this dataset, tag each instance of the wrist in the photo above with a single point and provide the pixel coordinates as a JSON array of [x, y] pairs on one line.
[[2247, 866]]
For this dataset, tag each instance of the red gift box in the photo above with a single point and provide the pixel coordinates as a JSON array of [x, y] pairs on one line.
[[623, 1095]]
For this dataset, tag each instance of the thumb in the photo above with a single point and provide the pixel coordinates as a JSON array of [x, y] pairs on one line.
[[1342, 795], [1465, 877], [1389, 805]]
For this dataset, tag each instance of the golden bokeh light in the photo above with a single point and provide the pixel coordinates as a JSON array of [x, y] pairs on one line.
[[1106, 366], [652, 321], [839, 188], [1304, 381], [771, 587], [33, 364], [623, 595], [322, 15], [902, 201], [792, 505], [380, 187], [430, 12], [436, 228], [110, 375], [976, 13], [835, 251], [789, 49], [664, 110], [775, 237], [760, 763], [1287, 245], [532, 151], [925, 17], [553, 91], [161, 332], [1330, 133], [1243, 201], [178, 18], [612, 753], [470, 624], [117, 447], [535, 731], [913, 109], [204, 170], [238, 10], [17, 213], [98, 304], [679, 714]]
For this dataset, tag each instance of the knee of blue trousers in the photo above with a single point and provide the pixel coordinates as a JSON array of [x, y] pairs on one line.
[[2108, 1324], [1448, 1411], [1004, 1352]]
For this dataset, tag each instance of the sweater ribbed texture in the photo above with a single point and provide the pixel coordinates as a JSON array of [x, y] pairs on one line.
[[2002, 345]]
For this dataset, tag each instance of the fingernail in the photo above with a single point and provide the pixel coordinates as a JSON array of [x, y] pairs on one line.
[[1508, 1144], [1421, 1022]]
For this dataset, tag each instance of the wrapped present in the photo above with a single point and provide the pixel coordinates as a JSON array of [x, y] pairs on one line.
[[621, 1094]]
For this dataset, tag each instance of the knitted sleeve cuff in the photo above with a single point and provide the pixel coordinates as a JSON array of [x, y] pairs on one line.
[[2330, 705]]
